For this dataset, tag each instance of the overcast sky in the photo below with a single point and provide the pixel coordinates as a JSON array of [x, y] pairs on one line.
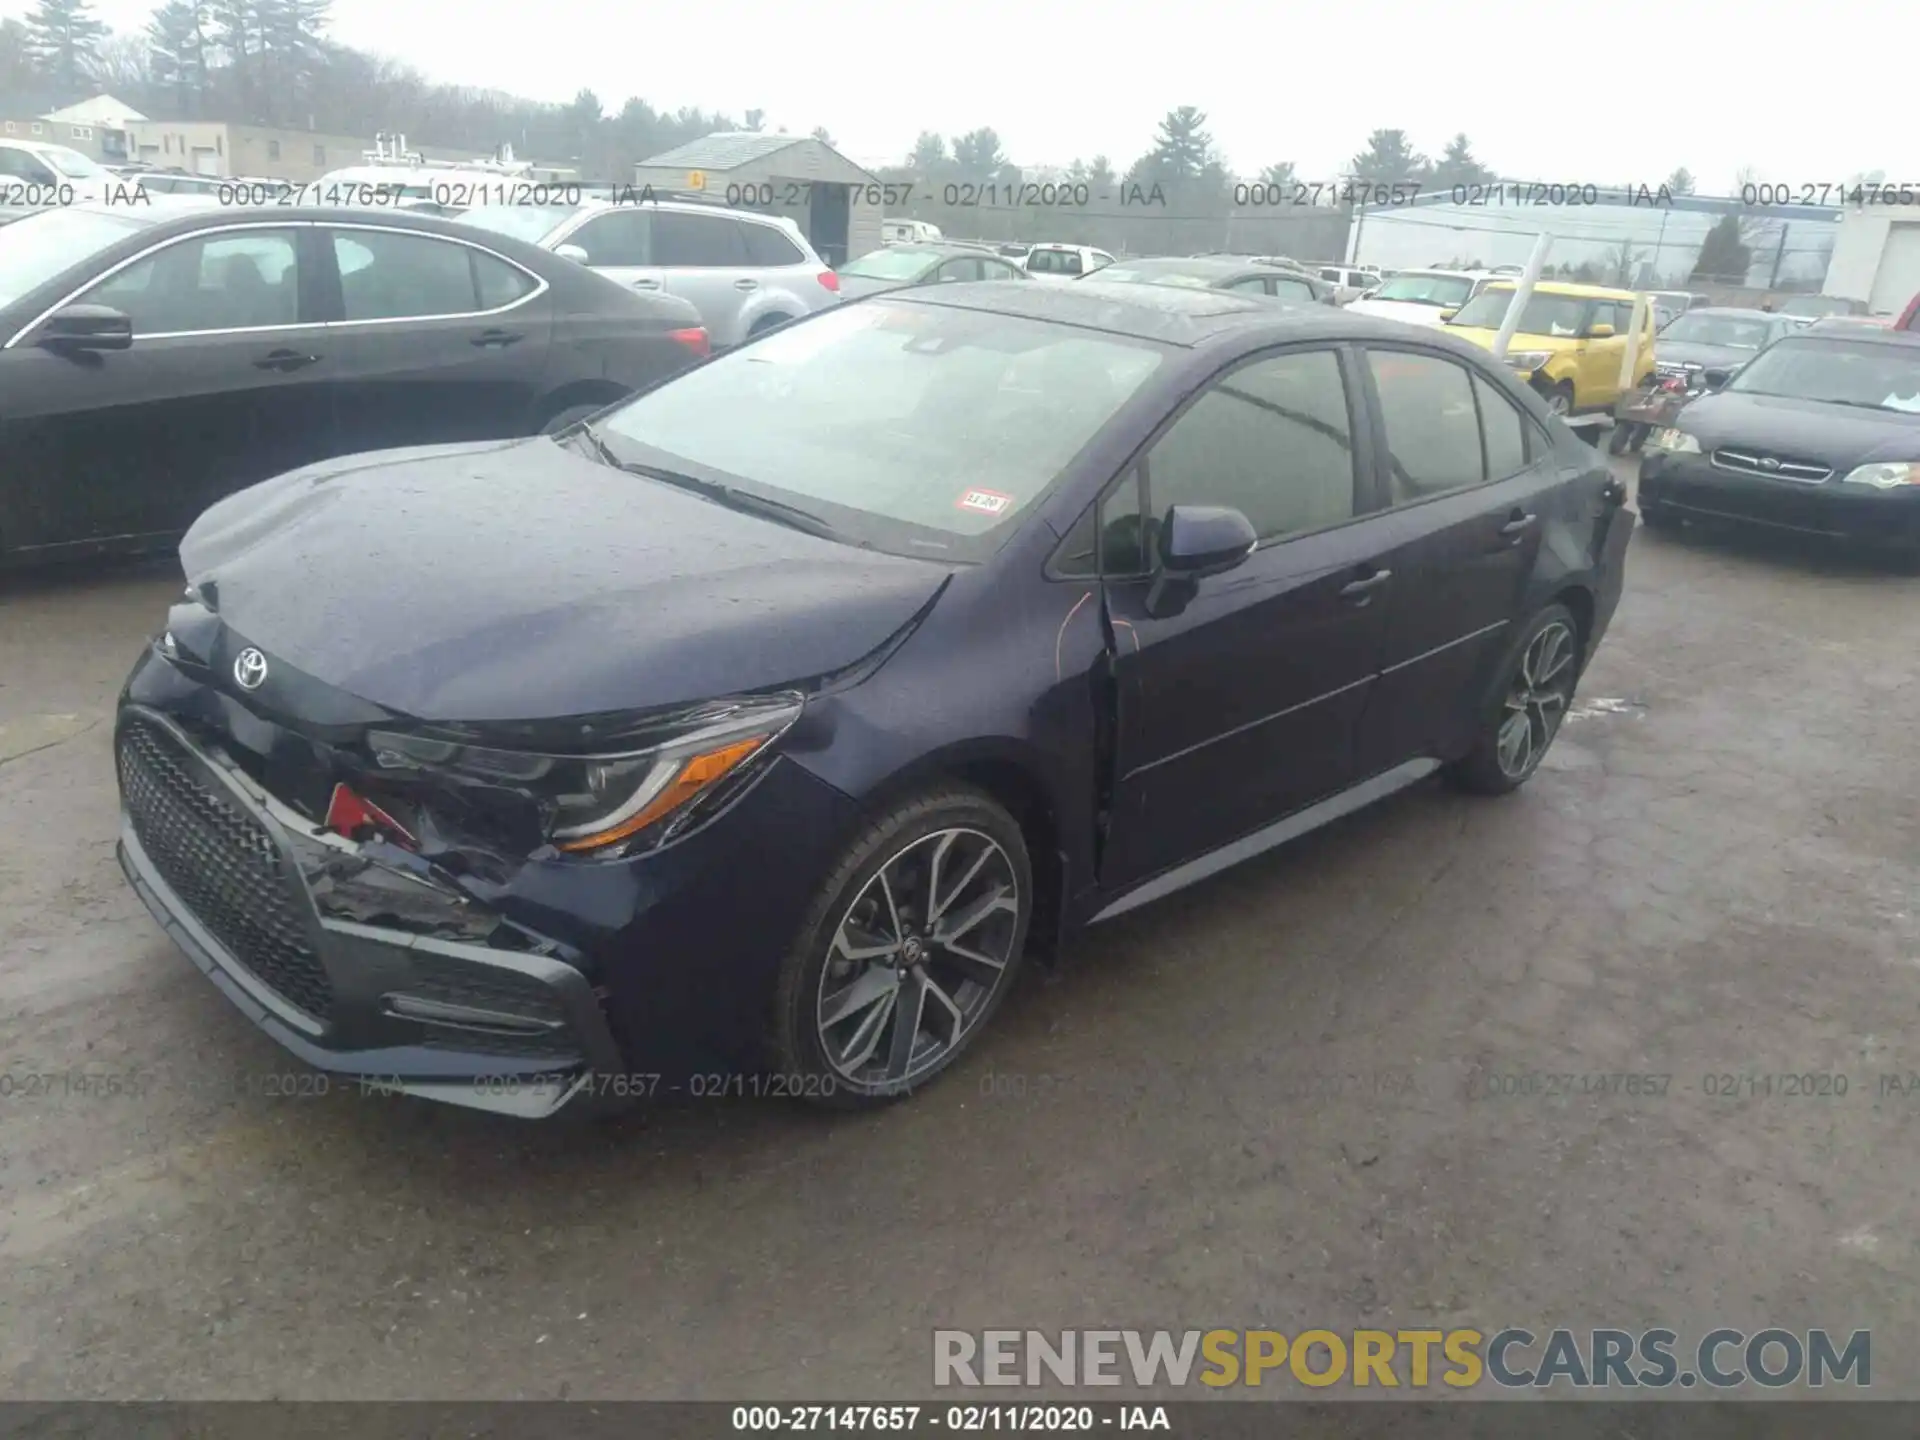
[[1574, 98]]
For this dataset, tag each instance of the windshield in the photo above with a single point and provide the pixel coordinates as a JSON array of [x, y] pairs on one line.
[[72, 164], [1731, 331], [919, 429], [522, 222], [1551, 315], [36, 249], [1815, 305], [1837, 371], [892, 262], [1441, 290]]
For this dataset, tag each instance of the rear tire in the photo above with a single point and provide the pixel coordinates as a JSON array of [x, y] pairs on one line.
[[1658, 517], [928, 907], [1559, 398], [1519, 721]]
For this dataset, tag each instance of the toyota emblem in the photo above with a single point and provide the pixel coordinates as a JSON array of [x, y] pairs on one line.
[[250, 669]]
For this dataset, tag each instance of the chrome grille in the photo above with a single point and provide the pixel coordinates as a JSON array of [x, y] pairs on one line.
[[1771, 467], [224, 866]]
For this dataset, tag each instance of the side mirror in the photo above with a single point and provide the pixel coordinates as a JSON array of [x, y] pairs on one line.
[[1201, 540], [87, 327], [1715, 379], [1446, 316], [1196, 541], [575, 253], [1602, 331]]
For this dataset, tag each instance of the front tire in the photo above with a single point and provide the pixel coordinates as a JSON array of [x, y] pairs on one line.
[[1658, 517], [1559, 398], [1530, 702], [910, 947], [572, 414]]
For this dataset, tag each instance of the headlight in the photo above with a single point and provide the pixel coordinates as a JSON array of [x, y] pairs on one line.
[[1887, 475], [593, 802], [1674, 442], [1529, 359]]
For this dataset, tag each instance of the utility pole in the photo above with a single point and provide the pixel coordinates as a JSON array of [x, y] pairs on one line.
[[1522, 292], [1779, 254]]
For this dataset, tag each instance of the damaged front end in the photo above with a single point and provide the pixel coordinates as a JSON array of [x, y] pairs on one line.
[[424, 907]]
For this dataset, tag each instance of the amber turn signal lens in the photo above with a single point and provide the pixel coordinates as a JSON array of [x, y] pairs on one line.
[[696, 775]]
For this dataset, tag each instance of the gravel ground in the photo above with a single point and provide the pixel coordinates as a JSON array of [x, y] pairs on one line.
[[1264, 1101]]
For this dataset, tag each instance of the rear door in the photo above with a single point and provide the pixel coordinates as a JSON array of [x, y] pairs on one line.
[[703, 260], [439, 341], [1239, 700], [1469, 480], [226, 383]]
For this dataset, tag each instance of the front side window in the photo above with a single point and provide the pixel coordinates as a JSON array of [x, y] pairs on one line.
[[1271, 439], [19, 165], [921, 429], [1291, 289], [965, 268], [237, 281], [1432, 424]]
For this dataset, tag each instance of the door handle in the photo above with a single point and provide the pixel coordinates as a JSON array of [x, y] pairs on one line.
[[1359, 592], [496, 339], [285, 361], [646, 284], [746, 284], [1515, 527]]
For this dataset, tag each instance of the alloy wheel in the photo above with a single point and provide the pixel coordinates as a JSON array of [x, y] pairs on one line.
[[917, 958], [1536, 701]]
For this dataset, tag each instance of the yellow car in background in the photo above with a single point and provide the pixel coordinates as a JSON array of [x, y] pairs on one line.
[[1571, 343]]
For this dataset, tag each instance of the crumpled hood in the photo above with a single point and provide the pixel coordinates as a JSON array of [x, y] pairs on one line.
[[520, 580], [1842, 436]]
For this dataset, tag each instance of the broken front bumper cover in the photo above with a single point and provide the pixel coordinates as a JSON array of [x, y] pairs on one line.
[[263, 902]]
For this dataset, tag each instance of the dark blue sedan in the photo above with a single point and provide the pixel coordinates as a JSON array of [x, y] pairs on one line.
[[762, 725]]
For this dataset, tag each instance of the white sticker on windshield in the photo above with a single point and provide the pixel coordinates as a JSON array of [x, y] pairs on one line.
[[987, 502]]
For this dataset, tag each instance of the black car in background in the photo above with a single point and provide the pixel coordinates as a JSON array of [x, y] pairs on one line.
[[775, 714], [1819, 434], [1221, 272], [1716, 337], [930, 262], [156, 358]]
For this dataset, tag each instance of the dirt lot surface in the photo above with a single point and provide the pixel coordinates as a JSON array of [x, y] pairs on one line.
[[1271, 1100]]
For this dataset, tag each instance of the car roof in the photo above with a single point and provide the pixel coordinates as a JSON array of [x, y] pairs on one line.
[[1462, 274], [1198, 264], [1169, 314], [1568, 287], [1743, 312]]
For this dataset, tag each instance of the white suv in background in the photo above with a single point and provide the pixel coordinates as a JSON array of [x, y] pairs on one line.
[[743, 271], [1063, 262], [35, 175], [1349, 282], [1426, 297]]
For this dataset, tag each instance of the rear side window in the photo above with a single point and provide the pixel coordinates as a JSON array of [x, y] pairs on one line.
[[767, 246], [697, 241], [387, 275], [1270, 439], [1432, 424], [496, 282], [618, 238], [1505, 429], [1291, 289]]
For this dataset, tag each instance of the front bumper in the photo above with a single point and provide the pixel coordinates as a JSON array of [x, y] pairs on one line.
[[1693, 486], [230, 875]]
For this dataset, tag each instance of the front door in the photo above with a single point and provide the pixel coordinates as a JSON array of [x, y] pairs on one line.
[[1238, 701], [438, 342], [1470, 480], [224, 385]]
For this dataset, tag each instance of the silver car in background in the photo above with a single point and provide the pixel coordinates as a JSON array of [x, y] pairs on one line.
[[744, 272]]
